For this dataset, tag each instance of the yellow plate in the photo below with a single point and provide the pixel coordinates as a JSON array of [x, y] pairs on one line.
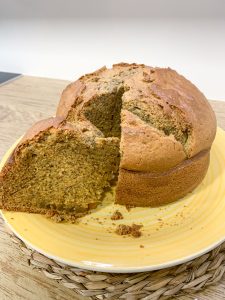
[[172, 234]]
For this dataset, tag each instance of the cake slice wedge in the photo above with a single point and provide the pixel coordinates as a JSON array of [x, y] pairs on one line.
[[59, 169]]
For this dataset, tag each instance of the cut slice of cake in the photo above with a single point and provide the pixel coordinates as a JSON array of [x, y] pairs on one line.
[[59, 169]]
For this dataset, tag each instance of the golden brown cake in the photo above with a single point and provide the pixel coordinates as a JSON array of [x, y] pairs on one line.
[[165, 124], [151, 127], [59, 169]]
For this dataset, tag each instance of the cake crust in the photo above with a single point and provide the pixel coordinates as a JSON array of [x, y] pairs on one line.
[[145, 148], [156, 189]]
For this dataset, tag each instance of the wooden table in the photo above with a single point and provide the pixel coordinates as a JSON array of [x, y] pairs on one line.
[[22, 102]]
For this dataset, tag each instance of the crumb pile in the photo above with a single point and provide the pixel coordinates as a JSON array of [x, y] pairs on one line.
[[133, 230]]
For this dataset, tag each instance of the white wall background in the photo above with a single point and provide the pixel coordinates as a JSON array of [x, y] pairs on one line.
[[64, 39]]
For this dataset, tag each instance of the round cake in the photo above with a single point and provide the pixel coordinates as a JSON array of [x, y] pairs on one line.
[[146, 130], [165, 124]]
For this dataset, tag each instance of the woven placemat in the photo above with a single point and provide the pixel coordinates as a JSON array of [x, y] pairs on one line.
[[168, 283]]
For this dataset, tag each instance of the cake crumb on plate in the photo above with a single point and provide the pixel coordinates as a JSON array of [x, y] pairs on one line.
[[133, 230], [117, 215]]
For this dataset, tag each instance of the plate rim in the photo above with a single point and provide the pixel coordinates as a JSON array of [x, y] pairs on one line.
[[111, 269]]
